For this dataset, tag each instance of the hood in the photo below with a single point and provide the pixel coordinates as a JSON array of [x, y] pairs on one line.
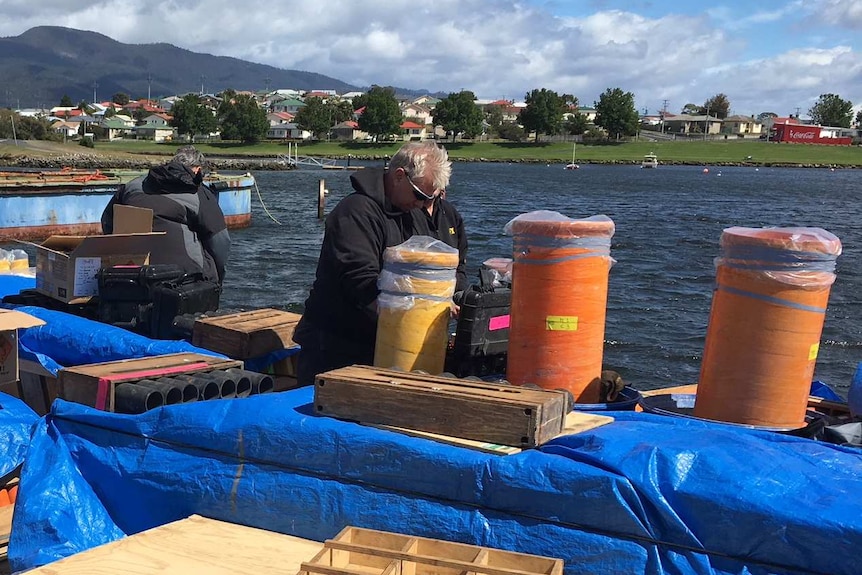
[[370, 183], [171, 178]]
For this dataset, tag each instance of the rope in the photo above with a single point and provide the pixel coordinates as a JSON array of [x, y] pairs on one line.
[[260, 198]]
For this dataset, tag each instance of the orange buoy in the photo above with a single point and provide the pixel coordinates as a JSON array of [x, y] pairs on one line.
[[559, 302], [768, 308], [416, 287]]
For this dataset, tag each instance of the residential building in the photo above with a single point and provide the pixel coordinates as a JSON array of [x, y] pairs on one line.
[[742, 126], [420, 112], [413, 131], [348, 130], [290, 105], [690, 124]]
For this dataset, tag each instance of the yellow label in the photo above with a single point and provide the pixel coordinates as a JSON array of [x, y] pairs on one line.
[[561, 323], [451, 231], [812, 352]]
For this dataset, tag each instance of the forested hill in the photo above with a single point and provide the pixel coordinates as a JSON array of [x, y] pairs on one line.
[[41, 65]]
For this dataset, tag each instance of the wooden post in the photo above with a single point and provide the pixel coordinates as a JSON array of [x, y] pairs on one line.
[[321, 199]]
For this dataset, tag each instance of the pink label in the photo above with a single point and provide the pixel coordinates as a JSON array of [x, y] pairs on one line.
[[499, 322]]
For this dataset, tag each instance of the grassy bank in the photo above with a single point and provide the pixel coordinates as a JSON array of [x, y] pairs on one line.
[[696, 152]]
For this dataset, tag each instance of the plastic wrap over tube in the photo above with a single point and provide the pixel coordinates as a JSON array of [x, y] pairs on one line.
[[772, 288], [559, 301], [416, 287]]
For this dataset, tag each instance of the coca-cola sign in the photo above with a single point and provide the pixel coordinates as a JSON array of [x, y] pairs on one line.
[[795, 135]]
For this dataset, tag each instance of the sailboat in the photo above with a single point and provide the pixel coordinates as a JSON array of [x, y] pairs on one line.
[[573, 165]]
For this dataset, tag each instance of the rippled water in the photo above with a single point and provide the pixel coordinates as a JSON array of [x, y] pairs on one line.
[[668, 223]]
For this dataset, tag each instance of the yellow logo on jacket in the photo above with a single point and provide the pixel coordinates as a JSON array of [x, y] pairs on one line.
[[451, 231]]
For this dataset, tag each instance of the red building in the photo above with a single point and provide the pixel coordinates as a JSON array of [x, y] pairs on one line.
[[804, 134]]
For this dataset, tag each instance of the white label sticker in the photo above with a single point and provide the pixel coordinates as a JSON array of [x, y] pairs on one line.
[[85, 276]]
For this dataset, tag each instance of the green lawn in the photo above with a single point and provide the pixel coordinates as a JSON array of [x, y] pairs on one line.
[[696, 152]]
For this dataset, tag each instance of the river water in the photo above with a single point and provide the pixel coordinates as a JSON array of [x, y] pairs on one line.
[[668, 223]]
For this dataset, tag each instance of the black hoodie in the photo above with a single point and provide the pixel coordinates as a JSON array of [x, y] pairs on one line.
[[196, 234], [358, 230]]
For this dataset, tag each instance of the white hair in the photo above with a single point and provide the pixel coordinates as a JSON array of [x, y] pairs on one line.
[[424, 160]]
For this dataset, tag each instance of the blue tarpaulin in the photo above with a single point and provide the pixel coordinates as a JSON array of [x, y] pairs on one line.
[[646, 494], [16, 424]]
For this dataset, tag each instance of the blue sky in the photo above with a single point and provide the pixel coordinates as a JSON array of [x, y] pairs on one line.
[[766, 55]]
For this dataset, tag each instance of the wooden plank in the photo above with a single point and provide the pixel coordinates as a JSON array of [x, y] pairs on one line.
[[818, 403], [192, 546], [576, 422], [81, 383], [505, 415], [246, 334]]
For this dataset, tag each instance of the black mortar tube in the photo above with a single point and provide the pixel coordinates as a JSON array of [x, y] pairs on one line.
[[173, 394], [260, 382], [134, 398], [189, 389], [238, 376], [205, 387]]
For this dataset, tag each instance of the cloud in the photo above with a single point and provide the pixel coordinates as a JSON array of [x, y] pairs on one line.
[[496, 48]]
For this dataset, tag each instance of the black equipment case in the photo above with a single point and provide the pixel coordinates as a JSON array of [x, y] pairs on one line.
[[482, 334], [177, 298]]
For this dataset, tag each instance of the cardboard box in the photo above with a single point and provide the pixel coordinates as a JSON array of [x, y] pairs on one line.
[[66, 266], [10, 322], [94, 384]]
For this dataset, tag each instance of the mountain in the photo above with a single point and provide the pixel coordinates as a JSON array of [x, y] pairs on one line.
[[44, 63]]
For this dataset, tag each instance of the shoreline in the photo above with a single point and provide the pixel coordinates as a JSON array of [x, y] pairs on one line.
[[272, 163]]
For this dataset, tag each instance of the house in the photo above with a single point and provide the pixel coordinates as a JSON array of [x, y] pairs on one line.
[[413, 131], [290, 105], [114, 129], [278, 125], [742, 126], [590, 113], [348, 130], [156, 127], [351, 95], [508, 108], [426, 100], [66, 128], [690, 124], [419, 112]]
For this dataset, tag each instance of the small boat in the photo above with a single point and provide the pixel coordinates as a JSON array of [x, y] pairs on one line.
[[650, 161], [573, 165], [38, 204]]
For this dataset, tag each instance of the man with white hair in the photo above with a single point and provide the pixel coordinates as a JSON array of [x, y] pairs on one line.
[[339, 325]]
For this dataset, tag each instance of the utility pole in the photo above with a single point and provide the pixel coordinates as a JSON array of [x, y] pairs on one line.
[[706, 124], [95, 85], [266, 82], [663, 114], [149, 86], [202, 84]]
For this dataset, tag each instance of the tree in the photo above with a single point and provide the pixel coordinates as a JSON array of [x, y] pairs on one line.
[[66, 101], [315, 117], [458, 113], [616, 113], [718, 106], [341, 110], [831, 110], [511, 131], [576, 124], [241, 118], [382, 116], [120, 98], [692, 110], [192, 117], [763, 116], [543, 113], [859, 119]]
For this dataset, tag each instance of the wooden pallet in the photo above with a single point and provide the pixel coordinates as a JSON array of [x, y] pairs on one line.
[[246, 334], [94, 384], [357, 551], [485, 412]]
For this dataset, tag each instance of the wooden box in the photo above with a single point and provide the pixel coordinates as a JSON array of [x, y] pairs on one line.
[[501, 414], [355, 551], [246, 334], [93, 384]]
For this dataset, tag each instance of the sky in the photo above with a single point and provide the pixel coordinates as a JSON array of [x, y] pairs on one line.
[[764, 55]]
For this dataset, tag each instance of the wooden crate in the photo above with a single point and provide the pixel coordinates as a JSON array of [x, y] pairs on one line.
[[94, 384], [246, 334], [195, 545], [357, 551], [501, 414]]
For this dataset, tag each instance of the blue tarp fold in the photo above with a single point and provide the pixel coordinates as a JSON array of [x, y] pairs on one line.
[[646, 494], [16, 425]]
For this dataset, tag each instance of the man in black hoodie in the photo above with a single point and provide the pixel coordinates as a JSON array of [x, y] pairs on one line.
[[187, 210], [339, 325]]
